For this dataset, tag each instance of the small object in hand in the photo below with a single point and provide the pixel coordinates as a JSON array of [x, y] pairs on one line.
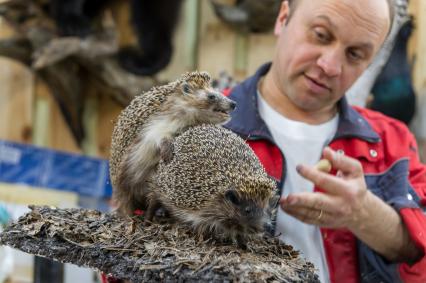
[[324, 165]]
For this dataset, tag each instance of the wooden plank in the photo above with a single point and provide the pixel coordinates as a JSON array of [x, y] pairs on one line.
[[5, 29], [16, 101], [412, 10], [180, 62], [120, 13], [27, 110], [41, 121], [241, 51], [90, 121], [108, 111], [192, 25], [418, 7], [16, 96], [24, 195], [52, 130], [262, 50], [216, 43], [222, 49]]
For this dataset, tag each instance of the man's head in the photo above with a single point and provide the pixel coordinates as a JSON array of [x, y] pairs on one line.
[[325, 47], [293, 4]]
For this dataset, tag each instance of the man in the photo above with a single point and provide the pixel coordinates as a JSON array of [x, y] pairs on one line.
[[363, 222]]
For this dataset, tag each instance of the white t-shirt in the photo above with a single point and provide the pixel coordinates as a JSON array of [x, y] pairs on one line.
[[301, 144]]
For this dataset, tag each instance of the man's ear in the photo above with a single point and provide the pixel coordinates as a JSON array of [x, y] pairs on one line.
[[282, 18]]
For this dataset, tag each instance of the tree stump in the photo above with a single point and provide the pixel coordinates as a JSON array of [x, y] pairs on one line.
[[128, 249]]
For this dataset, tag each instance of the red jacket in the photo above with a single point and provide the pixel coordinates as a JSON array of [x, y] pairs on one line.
[[388, 153]]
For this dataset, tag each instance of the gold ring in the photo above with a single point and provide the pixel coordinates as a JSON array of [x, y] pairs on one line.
[[319, 216]]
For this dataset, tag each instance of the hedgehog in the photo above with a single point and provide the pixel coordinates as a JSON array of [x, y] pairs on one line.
[[210, 179], [150, 120]]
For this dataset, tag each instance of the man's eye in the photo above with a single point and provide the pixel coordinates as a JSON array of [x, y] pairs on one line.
[[321, 36], [354, 55]]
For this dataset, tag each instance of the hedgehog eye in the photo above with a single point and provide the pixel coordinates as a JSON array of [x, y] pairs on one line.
[[211, 97], [232, 196], [186, 88]]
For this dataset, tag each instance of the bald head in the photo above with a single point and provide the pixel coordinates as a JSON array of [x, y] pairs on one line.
[[390, 3]]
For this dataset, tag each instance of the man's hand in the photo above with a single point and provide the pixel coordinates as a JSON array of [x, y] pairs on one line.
[[345, 202], [344, 196]]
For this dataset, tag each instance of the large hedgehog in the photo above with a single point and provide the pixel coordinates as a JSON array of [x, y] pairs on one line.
[[210, 178], [150, 120]]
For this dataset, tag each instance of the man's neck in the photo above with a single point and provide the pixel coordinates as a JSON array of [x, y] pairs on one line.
[[283, 105]]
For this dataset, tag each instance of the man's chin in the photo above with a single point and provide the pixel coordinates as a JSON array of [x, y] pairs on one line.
[[309, 104]]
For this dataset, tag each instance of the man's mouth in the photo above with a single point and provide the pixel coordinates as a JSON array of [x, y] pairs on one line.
[[316, 85]]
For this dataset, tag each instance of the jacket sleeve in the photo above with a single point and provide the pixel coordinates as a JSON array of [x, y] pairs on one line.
[[415, 218], [395, 189], [403, 186]]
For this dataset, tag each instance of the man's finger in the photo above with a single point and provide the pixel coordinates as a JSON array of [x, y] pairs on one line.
[[313, 201], [342, 162], [325, 181], [310, 216]]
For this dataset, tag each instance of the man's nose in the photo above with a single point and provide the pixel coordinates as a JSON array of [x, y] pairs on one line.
[[331, 63]]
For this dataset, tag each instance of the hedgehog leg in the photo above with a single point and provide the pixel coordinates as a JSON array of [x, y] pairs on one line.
[[166, 150], [241, 242], [153, 206]]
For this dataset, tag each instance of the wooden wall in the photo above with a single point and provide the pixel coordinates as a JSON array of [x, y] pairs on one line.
[[29, 114], [418, 44]]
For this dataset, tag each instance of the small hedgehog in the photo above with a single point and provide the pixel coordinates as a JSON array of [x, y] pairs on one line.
[[210, 179], [150, 120]]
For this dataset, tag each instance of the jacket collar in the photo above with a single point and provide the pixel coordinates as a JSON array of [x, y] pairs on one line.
[[246, 120]]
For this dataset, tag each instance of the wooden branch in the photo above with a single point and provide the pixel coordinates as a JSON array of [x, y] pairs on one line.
[[63, 80], [94, 47], [16, 49], [116, 81], [128, 249], [44, 48]]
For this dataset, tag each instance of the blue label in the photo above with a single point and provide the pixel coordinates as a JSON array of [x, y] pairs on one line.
[[45, 168]]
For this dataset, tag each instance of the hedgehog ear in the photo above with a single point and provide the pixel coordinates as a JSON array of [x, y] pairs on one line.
[[232, 196], [186, 88]]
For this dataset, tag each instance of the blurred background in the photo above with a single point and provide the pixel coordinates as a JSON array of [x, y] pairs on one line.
[[67, 69]]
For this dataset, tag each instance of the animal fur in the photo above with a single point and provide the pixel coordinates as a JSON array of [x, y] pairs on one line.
[[215, 183], [150, 120]]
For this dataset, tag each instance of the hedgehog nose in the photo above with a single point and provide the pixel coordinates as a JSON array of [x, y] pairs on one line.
[[232, 105]]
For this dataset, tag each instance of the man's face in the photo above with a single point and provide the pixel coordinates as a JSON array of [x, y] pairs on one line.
[[325, 47]]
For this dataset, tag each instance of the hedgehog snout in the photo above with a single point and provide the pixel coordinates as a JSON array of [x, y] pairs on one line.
[[253, 218], [252, 211], [231, 105], [248, 209], [220, 102]]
